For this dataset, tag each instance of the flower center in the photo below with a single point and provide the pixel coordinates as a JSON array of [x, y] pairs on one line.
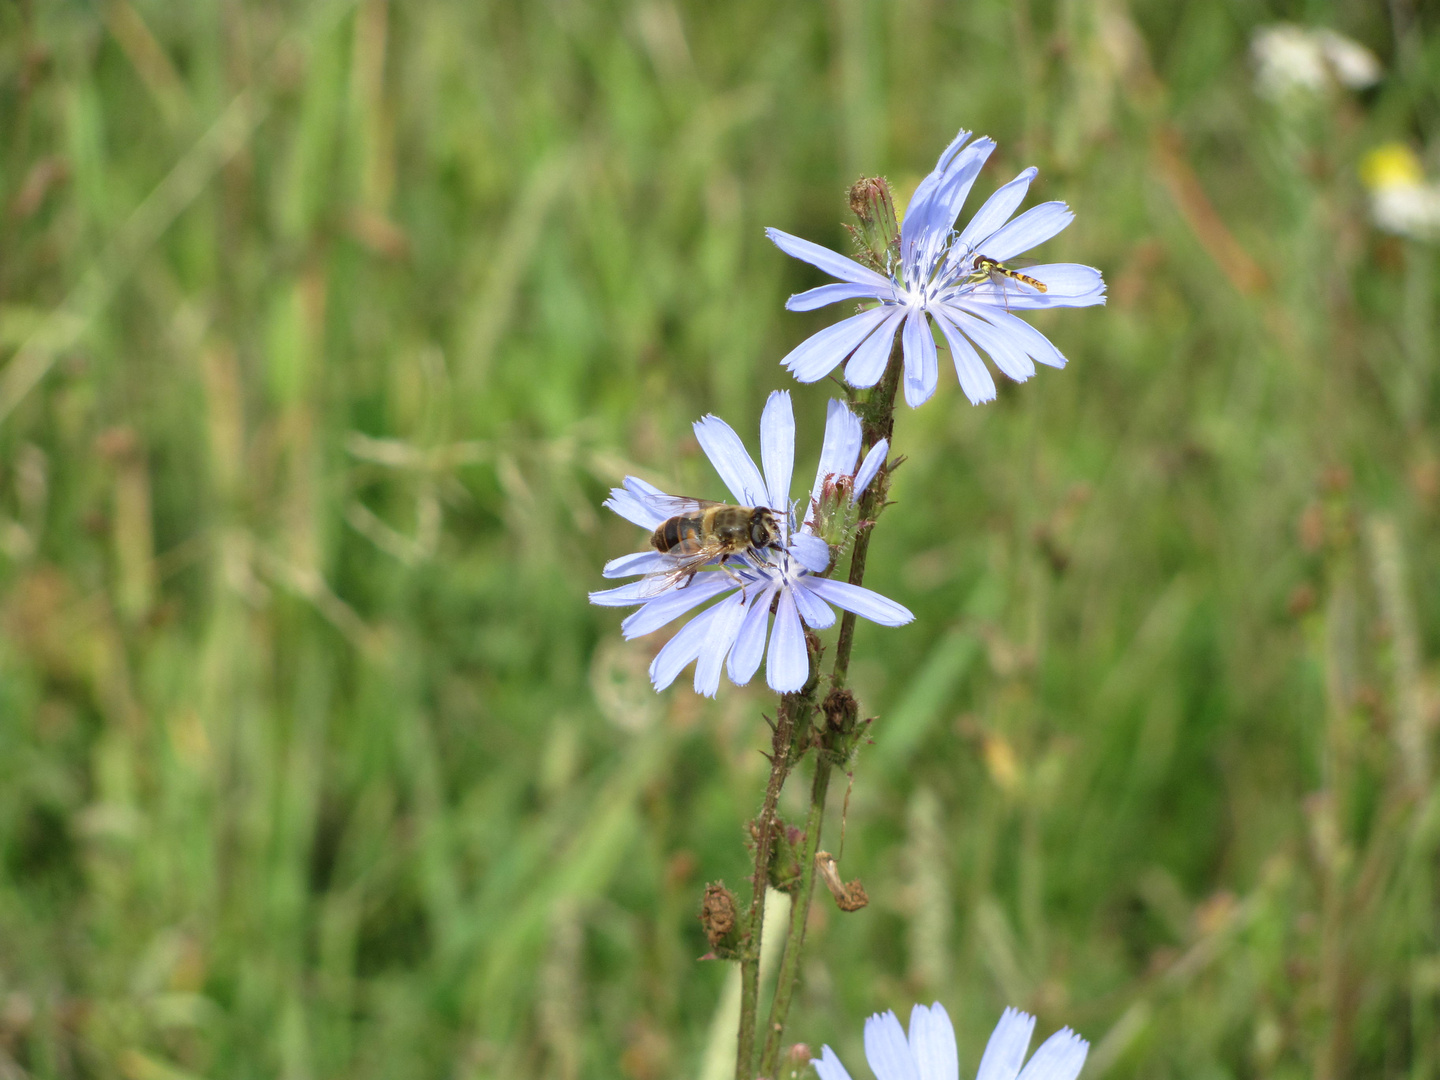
[[938, 269]]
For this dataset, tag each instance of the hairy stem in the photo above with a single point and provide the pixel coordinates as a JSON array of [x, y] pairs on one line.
[[792, 733], [789, 977], [878, 420], [759, 880]]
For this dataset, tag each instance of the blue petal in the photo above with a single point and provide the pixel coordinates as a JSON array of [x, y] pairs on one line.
[[949, 196], [1070, 281], [833, 294], [829, 261], [868, 361], [731, 460], [932, 1042], [750, 641], [996, 211], [817, 355], [962, 179], [919, 213], [861, 601], [814, 611], [870, 466], [921, 373], [788, 666], [684, 647], [974, 378], [828, 1066], [1068, 285], [1037, 345], [886, 1049], [730, 612], [632, 501], [631, 593], [1060, 1057], [641, 562], [777, 448], [673, 603], [1029, 230], [810, 552], [840, 450], [1006, 1049], [1008, 354]]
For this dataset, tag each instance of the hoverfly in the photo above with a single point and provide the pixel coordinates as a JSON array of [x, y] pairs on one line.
[[997, 273], [701, 532]]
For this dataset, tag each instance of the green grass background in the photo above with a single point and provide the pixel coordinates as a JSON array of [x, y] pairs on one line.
[[326, 326]]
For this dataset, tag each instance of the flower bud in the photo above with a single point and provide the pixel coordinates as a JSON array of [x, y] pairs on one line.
[[850, 895], [718, 917], [835, 511], [785, 858], [874, 209], [797, 1060]]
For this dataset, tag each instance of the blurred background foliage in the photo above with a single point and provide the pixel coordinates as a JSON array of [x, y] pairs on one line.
[[325, 327]]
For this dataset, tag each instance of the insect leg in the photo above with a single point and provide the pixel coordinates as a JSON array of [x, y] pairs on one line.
[[725, 565]]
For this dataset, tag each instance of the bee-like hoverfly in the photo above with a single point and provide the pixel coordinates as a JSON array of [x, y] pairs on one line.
[[702, 532], [999, 275]]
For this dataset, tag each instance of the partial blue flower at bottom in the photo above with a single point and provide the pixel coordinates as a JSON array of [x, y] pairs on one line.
[[928, 1053], [732, 633]]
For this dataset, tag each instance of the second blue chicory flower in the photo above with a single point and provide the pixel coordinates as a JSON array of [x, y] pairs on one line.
[[788, 580]]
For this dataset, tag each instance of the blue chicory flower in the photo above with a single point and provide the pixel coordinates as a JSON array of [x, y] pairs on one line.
[[732, 633], [940, 272], [929, 1052]]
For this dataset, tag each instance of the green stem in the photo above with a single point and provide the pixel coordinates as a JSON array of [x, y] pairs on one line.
[[792, 731], [789, 978], [759, 880], [878, 420]]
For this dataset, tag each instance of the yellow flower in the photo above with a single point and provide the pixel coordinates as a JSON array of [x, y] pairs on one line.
[[1393, 165]]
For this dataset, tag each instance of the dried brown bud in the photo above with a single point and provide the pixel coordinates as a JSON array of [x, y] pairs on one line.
[[717, 913], [797, 1061], [849, 896], [841, 709]]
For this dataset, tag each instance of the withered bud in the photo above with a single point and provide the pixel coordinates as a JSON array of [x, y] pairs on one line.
[[797, 1060], [717, 914], [785, 857], [849, 896], [841, 709], [879, 228]]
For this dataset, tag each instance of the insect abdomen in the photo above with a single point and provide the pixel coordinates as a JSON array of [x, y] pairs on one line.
[[677, 535]]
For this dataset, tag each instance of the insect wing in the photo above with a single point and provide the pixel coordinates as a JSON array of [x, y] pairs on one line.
[[677, 575], [1007, 283], [675, 505]]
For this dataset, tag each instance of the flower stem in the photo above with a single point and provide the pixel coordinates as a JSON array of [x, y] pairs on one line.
[[878, 420], [789, 977], [759, 880], [792, 726]]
